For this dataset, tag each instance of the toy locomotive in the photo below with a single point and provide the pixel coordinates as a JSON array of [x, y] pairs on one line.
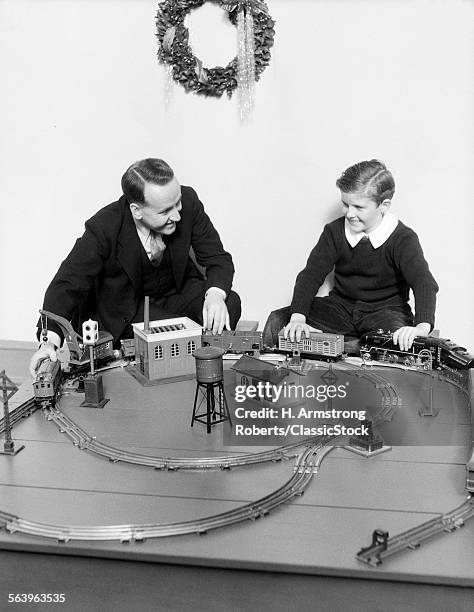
[[46, 382], [425, 352]]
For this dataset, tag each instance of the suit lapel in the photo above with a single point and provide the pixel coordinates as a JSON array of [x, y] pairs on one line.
[[128, 248]]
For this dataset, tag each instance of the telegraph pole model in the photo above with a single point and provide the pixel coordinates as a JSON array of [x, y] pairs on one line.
[[210, 381], [93, 386], [9, 388]]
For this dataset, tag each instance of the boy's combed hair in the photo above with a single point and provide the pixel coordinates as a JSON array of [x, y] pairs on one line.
[[369, 178], [148, 170]]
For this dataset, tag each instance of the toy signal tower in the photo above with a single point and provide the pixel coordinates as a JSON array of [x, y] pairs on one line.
[[210, 382], [93, 386], [8, 389]]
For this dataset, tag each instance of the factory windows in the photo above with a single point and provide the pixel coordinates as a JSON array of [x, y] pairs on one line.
[[191, 347], [175, 349], [158, 351]]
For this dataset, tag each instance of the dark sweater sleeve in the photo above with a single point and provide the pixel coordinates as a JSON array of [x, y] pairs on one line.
[[415, 270], [320, 262]]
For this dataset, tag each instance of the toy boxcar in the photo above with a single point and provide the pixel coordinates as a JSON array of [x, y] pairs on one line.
[[241, 342]]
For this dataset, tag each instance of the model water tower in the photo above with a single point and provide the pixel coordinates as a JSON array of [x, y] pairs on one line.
[[212, 408], [93, 386]]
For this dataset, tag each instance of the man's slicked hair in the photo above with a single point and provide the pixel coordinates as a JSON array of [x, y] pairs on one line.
[[368, 178], [148, 170]]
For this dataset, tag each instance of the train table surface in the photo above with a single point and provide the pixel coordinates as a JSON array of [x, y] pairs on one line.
[[313, 537]]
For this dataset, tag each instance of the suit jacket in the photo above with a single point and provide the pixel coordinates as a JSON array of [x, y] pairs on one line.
[[102, 273]]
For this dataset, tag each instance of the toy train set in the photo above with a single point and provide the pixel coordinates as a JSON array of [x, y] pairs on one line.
[[425, 354]]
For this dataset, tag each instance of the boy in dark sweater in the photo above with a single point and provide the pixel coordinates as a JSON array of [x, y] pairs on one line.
[[376, 260]]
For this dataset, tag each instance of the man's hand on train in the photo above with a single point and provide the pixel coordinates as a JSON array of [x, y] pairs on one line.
[[47, 350], [214, 313]]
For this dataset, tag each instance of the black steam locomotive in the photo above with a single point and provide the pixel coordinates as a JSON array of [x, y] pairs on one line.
[[425, 352]]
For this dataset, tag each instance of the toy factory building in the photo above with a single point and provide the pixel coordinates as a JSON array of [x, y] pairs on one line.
[[165, 349]]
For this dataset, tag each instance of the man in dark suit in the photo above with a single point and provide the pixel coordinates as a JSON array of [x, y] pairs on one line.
[[137, 246]]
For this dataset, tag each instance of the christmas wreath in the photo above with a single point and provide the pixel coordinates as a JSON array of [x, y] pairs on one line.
[[256, 34]]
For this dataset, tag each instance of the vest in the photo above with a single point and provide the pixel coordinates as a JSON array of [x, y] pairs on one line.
[[156, 281]]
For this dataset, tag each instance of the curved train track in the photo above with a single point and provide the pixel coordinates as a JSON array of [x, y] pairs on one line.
[[84, 441], [306, 464]]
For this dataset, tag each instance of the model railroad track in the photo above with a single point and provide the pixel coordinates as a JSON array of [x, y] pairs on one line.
[[27, 408], [382, 546], [85, 441], [20, 412], [390, 399], [456, 378], [306, 464]]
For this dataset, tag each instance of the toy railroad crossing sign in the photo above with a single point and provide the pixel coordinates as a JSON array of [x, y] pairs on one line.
[[8, 389]]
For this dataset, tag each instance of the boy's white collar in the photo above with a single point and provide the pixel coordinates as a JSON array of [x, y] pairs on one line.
[[378, 236]]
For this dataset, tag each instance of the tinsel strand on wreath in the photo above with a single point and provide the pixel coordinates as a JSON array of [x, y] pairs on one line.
[[245, 62]]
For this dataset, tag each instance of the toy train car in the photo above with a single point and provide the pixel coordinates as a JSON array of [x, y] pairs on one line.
[[46, 382], [240, 342], [318, 345], [127, 348], [103, 351], [425, 352]]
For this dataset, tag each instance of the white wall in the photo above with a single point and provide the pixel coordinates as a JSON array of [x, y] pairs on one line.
[[82, 97]]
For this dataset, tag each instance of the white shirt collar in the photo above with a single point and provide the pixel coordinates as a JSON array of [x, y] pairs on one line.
[[378, 236]]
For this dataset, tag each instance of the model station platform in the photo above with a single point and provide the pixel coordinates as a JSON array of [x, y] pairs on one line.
[[302, 555]]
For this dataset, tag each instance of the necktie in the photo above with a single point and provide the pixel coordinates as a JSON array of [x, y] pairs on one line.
[[365, 243], [157, 248]]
